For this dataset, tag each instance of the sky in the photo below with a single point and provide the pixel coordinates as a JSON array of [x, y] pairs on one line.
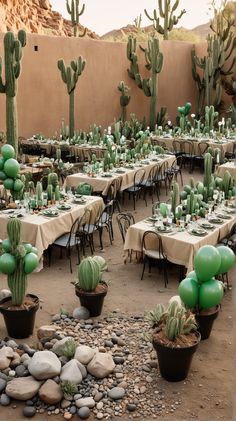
[[102, 16]]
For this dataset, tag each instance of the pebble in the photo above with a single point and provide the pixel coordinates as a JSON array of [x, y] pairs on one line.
[[99, 406], [83, 413], [29, 411], [67, 415], [5, 400], [100, 415], [2, 384], [116, 393], [131, 407]]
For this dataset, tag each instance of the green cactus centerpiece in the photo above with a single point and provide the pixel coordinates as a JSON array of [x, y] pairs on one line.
[[17, 261], [70, 76], [124, 99], [12, 60], [75, 13]]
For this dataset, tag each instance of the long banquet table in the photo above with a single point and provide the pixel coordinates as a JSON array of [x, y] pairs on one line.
[[41, 230], [101, 183], [229, 166], [179, 246], [225, 145]]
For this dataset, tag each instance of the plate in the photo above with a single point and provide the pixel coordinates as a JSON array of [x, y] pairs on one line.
[[215, 221], [164, 230], [223, 216], [79, 201], [106, 175], [64, 207], [51, 213], [207, 225], [152, 218], [198, 232], [120, 171]]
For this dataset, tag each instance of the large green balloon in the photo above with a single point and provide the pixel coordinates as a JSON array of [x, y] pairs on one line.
[[7, 151], [8, 183], [2, 175], [18, 185], [207, 262], [188, 291], [31, 262], [2, 161], [7, 263], [192, 275], [11, 167], [227, 259], [210, 293]]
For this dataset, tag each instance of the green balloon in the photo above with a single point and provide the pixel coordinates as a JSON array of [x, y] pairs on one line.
[[7, 263], [227, 259], [18, 185], [2, 161], [210, 294], [192, 275], [2, 175], [11, 167], [207, 262], [188, 291], [30, 262], [7, 151], [8, 183]]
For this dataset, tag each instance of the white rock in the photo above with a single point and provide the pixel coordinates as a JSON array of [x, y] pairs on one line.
[[46, 332], [84, 354], [89, 402], [6, 354], [4, 293], [59, 346], [101, 365], [44, 365], [71, 372], [22, 388]]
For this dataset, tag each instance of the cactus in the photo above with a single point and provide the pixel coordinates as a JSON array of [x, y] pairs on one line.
[[39, 191], [166, 11], [12, 59], [53, 180], [124, 99], [75, 13], [191, 203], [69, 348], [207, 179], [161, 117], [50, 191], [226, 183], [154, 63], [70, 76], [179, 321], [89, 274], [153, 317], [174, 198], [57, 193]]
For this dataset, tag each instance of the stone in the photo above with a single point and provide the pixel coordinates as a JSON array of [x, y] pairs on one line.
[[89, 402], [22, 371], [59, 346], [84, 354], [4, 400], [71, 372], [6, 354], [46, 332], [98, 396], [12, 344], [65, 403], [2, 384], [83, 413], [4, 293], [22, 388], [67, 415], [116, 393], [80, 313], [101, 365], [15, 361], [82, 369], [44, 365], [29, 411], [100, 415], [131, 407], [50, 392]]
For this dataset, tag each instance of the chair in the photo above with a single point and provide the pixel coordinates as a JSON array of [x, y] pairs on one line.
[[178, 147], [105, 221], [68, 241], [175, 169], [230, 240], [201, 150], [150, 254], [162, 177], [136, 188], [124, 220], [114, 193], [150, 183], [188, 154]]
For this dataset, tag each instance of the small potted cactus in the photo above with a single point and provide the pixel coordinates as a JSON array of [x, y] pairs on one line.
[[175, 339], [17, 261], [90, 288]]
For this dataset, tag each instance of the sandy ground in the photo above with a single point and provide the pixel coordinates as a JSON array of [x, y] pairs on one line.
[[208, 392]]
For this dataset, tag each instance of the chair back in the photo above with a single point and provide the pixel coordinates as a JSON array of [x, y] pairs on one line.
[[124, 220], [188, 147], [107, 213], [139, 177], [177, 146], [202, 148], [152, 241], [114, 189], [163, 170]]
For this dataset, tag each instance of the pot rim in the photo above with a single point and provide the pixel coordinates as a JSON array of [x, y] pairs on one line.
[[198, 337], [82, 291], [16, 308]]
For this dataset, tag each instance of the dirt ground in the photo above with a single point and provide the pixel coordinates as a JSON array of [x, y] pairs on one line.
[[208, 392]]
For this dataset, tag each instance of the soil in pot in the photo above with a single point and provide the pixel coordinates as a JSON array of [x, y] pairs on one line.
[[19, 320], [175, 357], [93, 300], [205, 320]]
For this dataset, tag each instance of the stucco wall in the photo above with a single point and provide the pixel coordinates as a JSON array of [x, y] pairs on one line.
[[42, 97]]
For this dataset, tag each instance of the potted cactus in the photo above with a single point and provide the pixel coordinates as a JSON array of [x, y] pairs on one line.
[[17, 261], [175, 339], [90, 288]]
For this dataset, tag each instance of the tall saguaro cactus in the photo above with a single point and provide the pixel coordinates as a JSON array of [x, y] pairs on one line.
[[124, 99], [75, 13], [166, 11], [12, 61], [70, 76], [154, 63]]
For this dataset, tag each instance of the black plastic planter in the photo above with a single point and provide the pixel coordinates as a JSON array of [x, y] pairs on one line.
[[174, 363], [93, 301], [19, 322], [205, 323]]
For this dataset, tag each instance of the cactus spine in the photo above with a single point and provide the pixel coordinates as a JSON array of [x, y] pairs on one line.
[[75, 13], [124, 99], [70, 76], [154, 63], [12, 59], [166, 11]]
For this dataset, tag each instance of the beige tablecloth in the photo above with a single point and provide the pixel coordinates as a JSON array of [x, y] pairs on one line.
[[180, 247], [227, 146], [101, 184], [41, 231], [229, 166]]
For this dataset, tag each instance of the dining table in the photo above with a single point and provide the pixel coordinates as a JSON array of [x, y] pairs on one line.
[[180, 244], [101, 181], [229, 166], [43, 228], [227, 145]]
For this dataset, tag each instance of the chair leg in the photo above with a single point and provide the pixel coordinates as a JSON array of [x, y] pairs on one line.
[[144, 264], [100, 237], [165, 273]]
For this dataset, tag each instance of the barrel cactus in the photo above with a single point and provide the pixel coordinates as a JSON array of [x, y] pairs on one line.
[[89, 274], [179, 321], [16, 261]]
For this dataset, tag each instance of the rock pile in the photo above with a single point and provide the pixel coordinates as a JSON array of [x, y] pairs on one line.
[[35, 16], [100, 366]]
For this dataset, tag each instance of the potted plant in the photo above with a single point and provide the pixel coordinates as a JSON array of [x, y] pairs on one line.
[[17, 261], [200, 290], [90, 288], [175, 339]]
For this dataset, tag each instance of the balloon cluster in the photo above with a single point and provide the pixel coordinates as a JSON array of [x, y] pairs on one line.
[[200, 289], [10, 170], [8, 260]]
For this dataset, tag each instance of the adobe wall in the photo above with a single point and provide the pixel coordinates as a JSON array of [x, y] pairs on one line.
[[42, 97]]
